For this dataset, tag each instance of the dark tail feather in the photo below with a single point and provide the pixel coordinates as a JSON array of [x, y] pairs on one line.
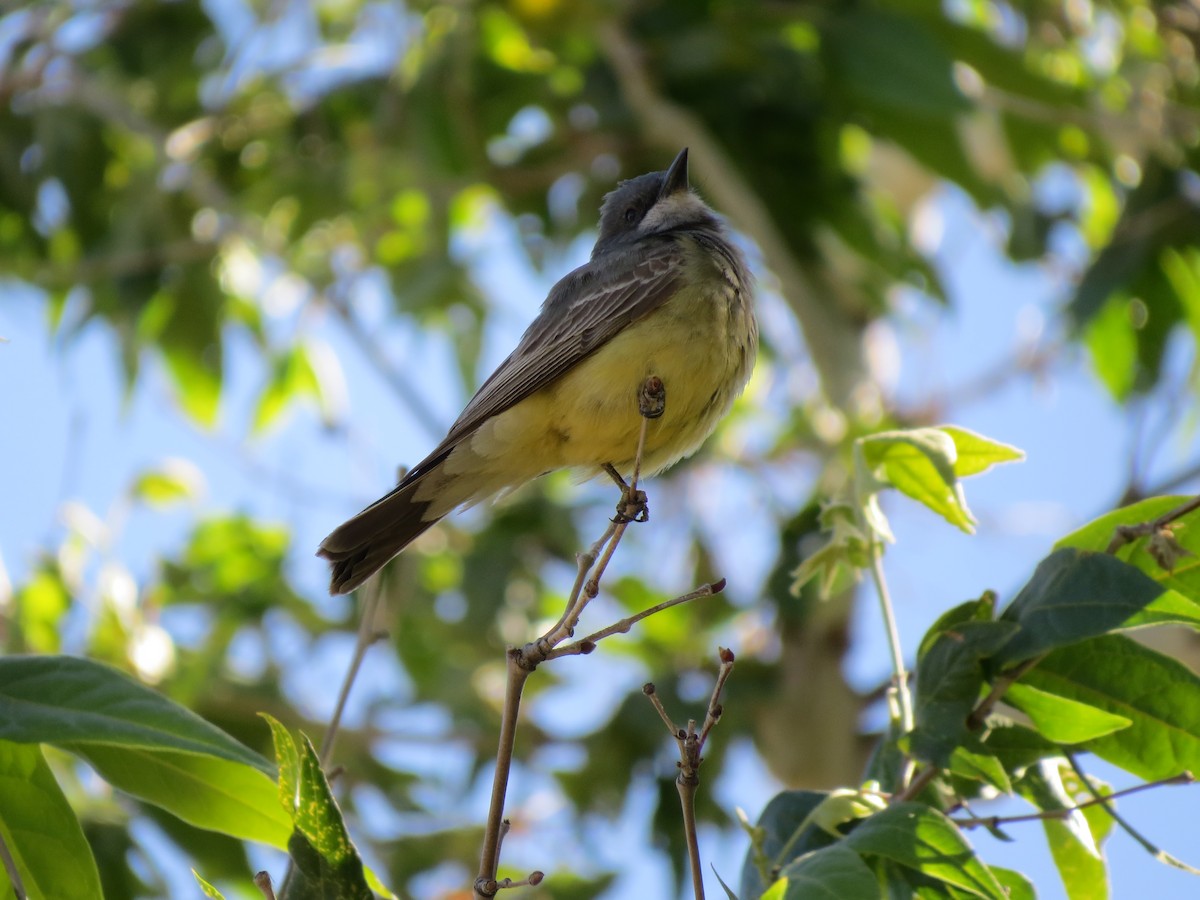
[[359, 547]]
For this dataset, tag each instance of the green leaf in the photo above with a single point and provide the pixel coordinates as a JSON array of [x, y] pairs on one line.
[[317, 813], [1074, 847], [950, 681], [921, 838], [227, 797], [1062, 720], [1017, 885], [1016, 746], [1112, 341], [176, 480], [1160, 697], [1072, 596], [316, 877], [976, 453], [208, 889], [833, 873], [293, 378], [919, 463], [67, 700], [40, 829], [968, 763], [287, 760], [787, 812]]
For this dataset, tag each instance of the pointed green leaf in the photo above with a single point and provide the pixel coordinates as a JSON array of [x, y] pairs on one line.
[[174, 481], [919, 463], [227, 797], [1018, 886], [1062, 720], [950, 682], [969, 763], [1160, 697], [833, 873], [1074, 847], [287, 760], [68, 700], [208, 889], [40, 829], [1074, 595], [921, 838], [976, 453], [317, 815]]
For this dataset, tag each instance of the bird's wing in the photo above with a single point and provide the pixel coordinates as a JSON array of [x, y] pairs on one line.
[[585, 310]]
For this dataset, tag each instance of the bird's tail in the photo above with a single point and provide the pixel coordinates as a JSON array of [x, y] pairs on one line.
[[359, 547]]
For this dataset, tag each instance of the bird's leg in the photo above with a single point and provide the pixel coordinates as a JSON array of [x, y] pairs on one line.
[[632, 505], [652, 402]]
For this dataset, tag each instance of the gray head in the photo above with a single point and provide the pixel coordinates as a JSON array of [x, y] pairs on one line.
[[651, 204]]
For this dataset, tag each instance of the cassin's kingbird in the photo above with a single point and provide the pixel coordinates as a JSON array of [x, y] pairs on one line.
[[665, 293]]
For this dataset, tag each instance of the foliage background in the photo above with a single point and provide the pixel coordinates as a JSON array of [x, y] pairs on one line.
[[255, 256]]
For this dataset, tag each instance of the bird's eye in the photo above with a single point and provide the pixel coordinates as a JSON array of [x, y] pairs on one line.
[[631, 215]]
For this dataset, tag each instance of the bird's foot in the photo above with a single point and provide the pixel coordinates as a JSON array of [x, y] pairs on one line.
[[633, 506]]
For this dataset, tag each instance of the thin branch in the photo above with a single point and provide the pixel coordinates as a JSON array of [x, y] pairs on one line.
[[899, 671], [375, 355], [262, 881], [522, 661], [1126, 534], [489, 861], [1153, 849], [1097, 800], [691, 745], [367, 635], [1000, 687], [1167, 485], [14, 876], [586, 645]]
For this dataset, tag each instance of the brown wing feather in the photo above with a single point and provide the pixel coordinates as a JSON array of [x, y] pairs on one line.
[[583, 312]]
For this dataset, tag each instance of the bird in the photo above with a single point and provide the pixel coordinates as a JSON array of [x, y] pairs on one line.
[[665, 293]]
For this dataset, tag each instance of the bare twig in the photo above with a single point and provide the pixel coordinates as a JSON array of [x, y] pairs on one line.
[[1167, 485], [489, 861], [1153, 849], [1126, 534], [14, 876], [375, 355], [1097, 800], [586, 645], [522, 661], [367, 635], [262, 881], [1000, 687], [691, 744]]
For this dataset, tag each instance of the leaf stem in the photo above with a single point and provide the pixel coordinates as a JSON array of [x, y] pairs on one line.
[[899, 672]]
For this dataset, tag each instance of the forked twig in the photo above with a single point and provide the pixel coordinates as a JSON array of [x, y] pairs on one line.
[[522, 661], [691, 744], [1127, 534]]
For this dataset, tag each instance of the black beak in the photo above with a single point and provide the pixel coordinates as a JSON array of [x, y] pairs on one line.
[[677, 177]]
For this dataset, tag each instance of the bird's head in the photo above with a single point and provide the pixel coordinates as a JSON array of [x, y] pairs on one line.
[[651, 204]]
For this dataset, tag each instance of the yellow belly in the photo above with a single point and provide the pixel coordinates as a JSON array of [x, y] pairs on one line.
[[702, 347]]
